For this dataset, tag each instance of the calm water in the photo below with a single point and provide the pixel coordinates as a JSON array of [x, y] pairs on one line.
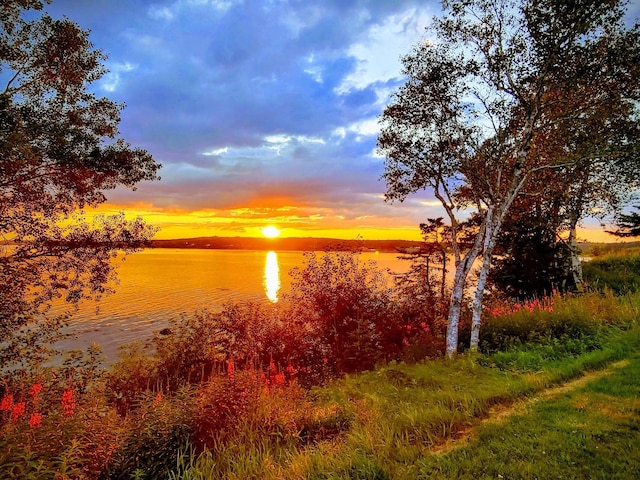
[[160, 284]]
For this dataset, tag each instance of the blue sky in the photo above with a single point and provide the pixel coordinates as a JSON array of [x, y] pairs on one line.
[[260, 111]]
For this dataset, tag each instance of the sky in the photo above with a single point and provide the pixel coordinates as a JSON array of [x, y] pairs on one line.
[[262, 112]]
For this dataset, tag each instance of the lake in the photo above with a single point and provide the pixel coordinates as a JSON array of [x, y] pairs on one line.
[[156, 285]]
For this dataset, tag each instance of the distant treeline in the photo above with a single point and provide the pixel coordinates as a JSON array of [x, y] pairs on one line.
[[283, 244]]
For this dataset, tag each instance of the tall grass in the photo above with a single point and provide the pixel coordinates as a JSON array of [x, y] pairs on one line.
[[620, 273]]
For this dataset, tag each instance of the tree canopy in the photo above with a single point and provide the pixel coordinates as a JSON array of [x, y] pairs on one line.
[[59, 152], [628, 224], [505, 99]]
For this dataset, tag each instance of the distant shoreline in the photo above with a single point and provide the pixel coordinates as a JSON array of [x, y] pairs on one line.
[[285, 244], [305, 244]]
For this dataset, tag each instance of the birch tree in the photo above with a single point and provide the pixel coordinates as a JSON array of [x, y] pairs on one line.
[[498, 83]]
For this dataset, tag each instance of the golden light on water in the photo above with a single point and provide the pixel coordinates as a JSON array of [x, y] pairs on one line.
[[272, 276]]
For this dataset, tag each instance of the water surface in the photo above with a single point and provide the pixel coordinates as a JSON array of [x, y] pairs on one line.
[[159, 284]]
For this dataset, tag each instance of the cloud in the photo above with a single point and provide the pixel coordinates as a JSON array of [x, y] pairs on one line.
[[247, 102]]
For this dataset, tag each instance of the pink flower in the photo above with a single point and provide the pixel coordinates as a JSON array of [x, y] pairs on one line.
[[35, 389], [230, 370], [278, 379], [291, 371], [35, 420]]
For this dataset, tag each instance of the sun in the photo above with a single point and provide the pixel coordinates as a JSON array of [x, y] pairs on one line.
[[270, 232]]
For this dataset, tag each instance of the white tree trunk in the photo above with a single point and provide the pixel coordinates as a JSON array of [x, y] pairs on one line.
[[457, 294], [576, 265], [491, 234]]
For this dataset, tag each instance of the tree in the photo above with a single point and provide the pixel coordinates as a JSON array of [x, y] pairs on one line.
[[532, 261], [628, 224], [59, 152], [507, 93]]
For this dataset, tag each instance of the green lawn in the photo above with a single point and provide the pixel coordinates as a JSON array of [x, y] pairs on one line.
[[592, 432]]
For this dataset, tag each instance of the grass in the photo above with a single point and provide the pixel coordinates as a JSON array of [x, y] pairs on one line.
[[381, 424], [387, 424], [403, 412], [620, 273], [591, 432]]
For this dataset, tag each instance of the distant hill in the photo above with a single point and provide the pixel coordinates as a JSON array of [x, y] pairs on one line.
[[285, 244]]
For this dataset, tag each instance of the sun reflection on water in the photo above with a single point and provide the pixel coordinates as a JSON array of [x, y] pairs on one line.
[[272, 276]]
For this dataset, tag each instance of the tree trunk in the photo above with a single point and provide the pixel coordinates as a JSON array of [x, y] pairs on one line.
[[443, 280], [491, 234], [457, 294], [576, 265]]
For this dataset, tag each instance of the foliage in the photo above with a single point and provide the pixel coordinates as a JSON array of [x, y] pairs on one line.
[[340, 316], [532, 261], [50, 428], [620, 273], [343, 307], [241, 423], [510, 98], [565, 324], [423, 293], [60, 151], [628, 224]]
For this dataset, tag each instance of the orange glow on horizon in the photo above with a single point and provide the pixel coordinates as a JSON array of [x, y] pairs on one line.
[[293, 223]]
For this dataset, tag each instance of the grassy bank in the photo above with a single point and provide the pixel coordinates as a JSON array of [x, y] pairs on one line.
[[389, 422], [590, 432], [175, 416]]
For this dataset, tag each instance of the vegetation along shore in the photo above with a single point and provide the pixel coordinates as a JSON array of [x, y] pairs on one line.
[[497, 353]]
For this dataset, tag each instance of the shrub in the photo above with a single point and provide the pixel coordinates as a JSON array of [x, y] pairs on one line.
[[344, 307], [567, 318]]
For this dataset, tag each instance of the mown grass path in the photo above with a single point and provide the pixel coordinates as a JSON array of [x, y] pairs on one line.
[[502, 412], [588, 428]]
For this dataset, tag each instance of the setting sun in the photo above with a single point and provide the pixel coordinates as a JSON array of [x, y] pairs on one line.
[[270, 232]]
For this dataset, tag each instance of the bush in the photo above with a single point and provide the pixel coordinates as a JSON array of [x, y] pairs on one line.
[[345, 308], [558, 320]]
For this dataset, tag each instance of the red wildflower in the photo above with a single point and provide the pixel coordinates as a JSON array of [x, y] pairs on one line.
[[35, 420], [7, 403], [35, 389], [68, 403], [278, 379], [17, 411], [156, 400], [230, 370]]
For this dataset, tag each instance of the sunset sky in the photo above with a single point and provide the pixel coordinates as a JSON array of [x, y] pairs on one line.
[[261, 112]]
